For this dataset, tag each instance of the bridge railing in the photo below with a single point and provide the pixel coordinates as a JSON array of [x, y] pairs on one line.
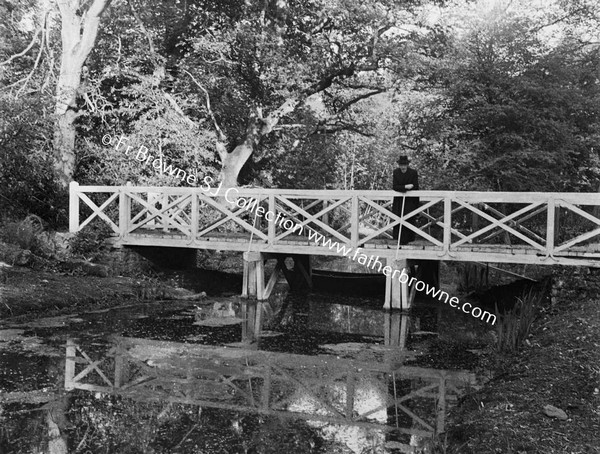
[[546, 224]]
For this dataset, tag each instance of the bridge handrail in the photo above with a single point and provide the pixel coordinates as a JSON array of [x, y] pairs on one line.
[[591, 198]]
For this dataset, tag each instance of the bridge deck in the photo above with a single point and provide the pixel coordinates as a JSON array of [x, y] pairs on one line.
[[384, 248], [554, 228]]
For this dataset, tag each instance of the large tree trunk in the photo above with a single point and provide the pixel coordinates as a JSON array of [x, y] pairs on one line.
[[258, 127], [64, 132], [78, 31], [233, 163]]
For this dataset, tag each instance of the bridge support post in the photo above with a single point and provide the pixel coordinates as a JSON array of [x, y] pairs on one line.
[[395, 329], [397, 295], [253, 283], [252, 312]]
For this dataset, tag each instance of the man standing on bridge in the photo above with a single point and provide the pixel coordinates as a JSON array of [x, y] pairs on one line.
[[405, 179]]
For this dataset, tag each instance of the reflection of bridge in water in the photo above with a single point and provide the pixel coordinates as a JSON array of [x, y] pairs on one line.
[[504, 227], [381, 394], [318, 388]]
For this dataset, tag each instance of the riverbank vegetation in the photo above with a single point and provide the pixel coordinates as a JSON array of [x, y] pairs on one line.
[[557, 365]]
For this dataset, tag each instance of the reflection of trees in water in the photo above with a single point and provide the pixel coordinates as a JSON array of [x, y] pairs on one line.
[[346, 319], [22, 428], [112, 424], [35, 422], [34, 428], [106, 424], [369, 394]]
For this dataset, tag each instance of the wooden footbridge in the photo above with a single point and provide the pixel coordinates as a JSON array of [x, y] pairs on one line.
[[499, 227]]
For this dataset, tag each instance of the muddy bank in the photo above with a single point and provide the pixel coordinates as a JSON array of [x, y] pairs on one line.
[[25, 292]]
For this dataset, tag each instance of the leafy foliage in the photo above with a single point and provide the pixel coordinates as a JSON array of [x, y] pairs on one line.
[[90, 241], [27, 184], [513, 326], [517, 114]]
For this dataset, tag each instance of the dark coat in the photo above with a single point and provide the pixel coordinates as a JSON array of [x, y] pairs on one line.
[[410, 203]]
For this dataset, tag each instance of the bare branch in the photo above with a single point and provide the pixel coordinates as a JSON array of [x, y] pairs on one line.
[[119, 55], [222, 136], [35, 65], [289, 126], [324, 128], [350, 103], [20, 54], [329, 79], [372, 47], [142, 26], [221, 58], [558, 20], [347, 127], [320, 27], [177, 109], [273, 118], [37, 60]]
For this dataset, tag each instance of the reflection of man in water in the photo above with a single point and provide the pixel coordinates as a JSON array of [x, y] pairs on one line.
[[405, 179]]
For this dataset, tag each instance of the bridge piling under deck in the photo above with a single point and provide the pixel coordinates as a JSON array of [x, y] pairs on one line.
[[253, 282], [399, 294]]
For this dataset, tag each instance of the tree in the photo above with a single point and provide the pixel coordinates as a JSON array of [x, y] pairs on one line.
[[516, 111], [287, 57], [79, 28], [242, 79]]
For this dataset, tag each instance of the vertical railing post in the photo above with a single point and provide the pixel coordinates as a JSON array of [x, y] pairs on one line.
[[326, 215], [403, 331], [551, 225], [260, 278], [195, 215], [124, 210], [441, 406], [244, 309], [120, 366], [447, 223], [245, 279], [387, 302], [73, 207], [70, 365], [271, 226], [354, 222], [164, 217], [260, 307]]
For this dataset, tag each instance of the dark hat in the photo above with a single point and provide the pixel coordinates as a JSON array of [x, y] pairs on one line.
[[403, 160]]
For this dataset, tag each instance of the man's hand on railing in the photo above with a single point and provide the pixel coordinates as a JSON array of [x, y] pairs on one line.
[[404, 187]]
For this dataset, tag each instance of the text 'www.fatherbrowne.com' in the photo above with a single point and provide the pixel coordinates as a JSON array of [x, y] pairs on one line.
[[403, 277]]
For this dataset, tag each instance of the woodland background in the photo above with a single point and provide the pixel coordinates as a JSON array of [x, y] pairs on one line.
[[482, 95]]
